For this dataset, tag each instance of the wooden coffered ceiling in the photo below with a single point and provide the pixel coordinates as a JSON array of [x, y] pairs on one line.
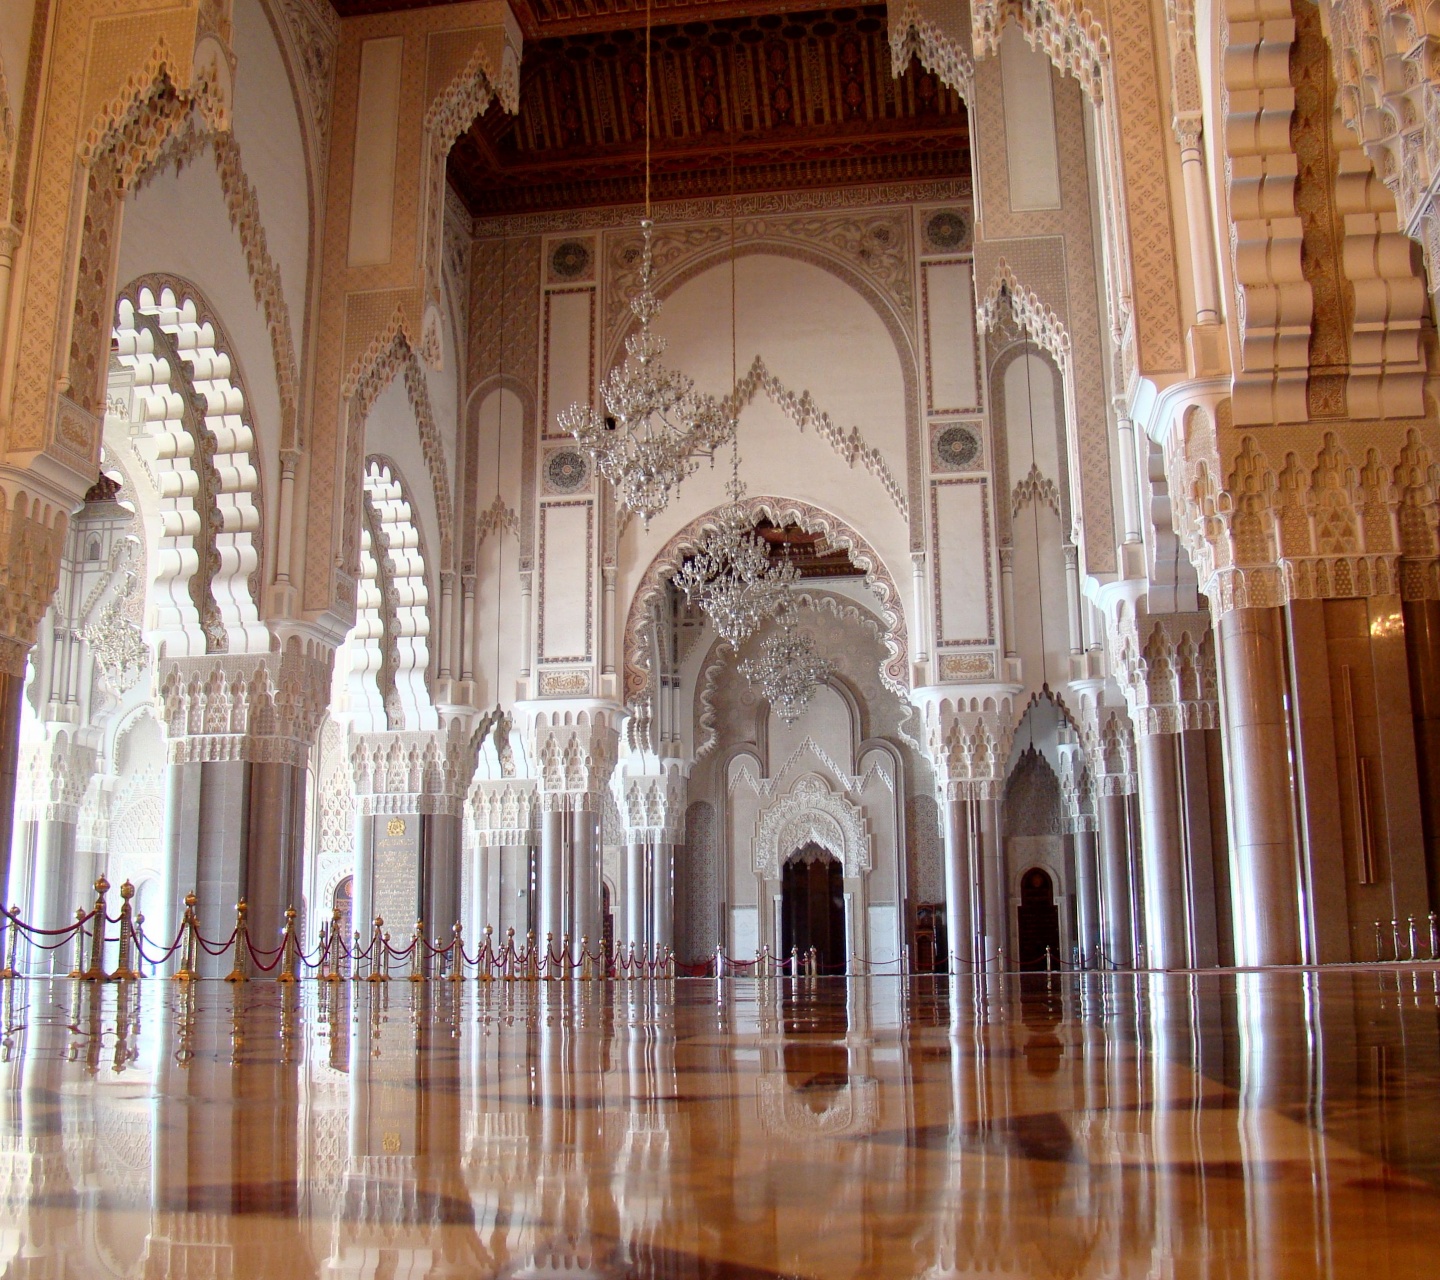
[[787, 100]]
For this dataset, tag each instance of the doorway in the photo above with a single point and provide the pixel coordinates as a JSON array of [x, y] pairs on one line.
[[1038, 922], [812, 907]]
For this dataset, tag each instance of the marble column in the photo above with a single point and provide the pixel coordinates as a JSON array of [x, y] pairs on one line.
[[274, 848], [1422, 652], [632, 927], [440, 874], [1115, 933], [182, 826], [995, 885], [1267, 919], [959, 886], [362, 907], [12, 689], [222, 843], [56, 893], [662, 887], [550, 917], [587, 855], [1196, 782], [1087, 895], [1162, 856]]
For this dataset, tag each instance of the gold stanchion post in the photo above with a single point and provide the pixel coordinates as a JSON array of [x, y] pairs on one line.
[[187, 971], [287, 949], [419, 961], [124, 967], [11, 936], [96, 971], [79, 970], [457, 954], [377, 951], [240, 973]]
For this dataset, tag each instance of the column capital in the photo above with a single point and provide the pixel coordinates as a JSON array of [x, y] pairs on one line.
[[653, 806], [416, 771], [1165, 665], [260, 707]]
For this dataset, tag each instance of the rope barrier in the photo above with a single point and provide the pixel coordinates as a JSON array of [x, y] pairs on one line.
[[530, 961]]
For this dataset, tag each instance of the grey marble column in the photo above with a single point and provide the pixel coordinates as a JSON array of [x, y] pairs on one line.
[[995, 885], [221, 850], [632, 928], [440, 883], [1116, 939], [1266, 915], [182, 828], [1161, 852], [550, 917], [274, 848], [1087, 896]]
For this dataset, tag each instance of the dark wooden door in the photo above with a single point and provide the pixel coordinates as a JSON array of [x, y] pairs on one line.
[[1039, 920], [812, 909]]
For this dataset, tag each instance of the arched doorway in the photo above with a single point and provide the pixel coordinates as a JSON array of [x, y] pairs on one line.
[[1039, 920], [812, 907]]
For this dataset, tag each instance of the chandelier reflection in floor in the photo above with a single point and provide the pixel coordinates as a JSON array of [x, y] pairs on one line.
[[788, 668]]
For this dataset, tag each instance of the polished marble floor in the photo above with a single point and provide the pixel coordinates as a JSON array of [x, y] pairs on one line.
[[1279, 1124]]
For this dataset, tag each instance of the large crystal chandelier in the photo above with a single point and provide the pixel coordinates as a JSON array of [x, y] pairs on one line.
[[788, 669], [658, 424], [731, 574]]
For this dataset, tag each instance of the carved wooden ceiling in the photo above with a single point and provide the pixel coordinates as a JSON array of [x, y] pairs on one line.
[[792, 102]]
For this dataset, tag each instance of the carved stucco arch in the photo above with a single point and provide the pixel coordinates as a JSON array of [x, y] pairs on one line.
[[168, 331], [396, 355], [810, 813], [894, 322], [780, 511]]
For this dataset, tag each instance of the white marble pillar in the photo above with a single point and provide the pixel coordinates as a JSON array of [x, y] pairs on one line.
[[550, 918], [662, 886], [1200, 247], [995, 885], [636, 895], [959, 887]]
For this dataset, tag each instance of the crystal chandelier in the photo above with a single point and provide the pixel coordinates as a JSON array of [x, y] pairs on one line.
[[731, 574], [788, 670], [659, 425]]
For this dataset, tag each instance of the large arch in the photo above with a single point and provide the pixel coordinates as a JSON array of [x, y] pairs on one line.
[[900, 332], [780, 511], [188, 393]]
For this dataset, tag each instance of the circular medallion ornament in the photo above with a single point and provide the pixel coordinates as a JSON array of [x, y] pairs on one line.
[[570, 259], [947, 230], [566, 470], [957, 447]]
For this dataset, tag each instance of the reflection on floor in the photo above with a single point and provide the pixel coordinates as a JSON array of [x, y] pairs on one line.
[[1277, 1124]]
